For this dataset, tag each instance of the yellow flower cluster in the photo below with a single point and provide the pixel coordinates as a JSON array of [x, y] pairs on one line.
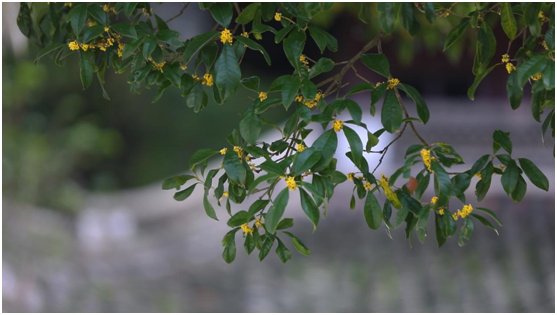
[[226, 37], [73, 45], [464, 212], [337, 125], [350, 176], [536, 76], [506, 59], [367, 185], [158, 65], [239, 151], [478, 175], [542, 17], [392, 83], [207, 79], [262, 96], [434, 200], [291, 183], [223, 151], [225, 194], [426, 158], [258, 223], [310, 103], [441, 211], [389, 193], [300, 147], [278, 16], [246, 229], [245, 34], [303, 59]]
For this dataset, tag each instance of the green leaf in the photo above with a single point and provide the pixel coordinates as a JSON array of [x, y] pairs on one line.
[[250, 127], [86, 68], [273, 216], [257, 206], [309, 207], [289, 91], [485, 222], [201, 156], [300, 247], [251, 83], [442, 182], [534, 174], [486, 44], [530, 67], [354, 109], [97, 13], [456, 33], [266, 246], [355, 143], [372, 140], [222, 13], [239, 218], [421, 107], [514, 90], [387, 15], [391, 114], [247, 13], [327, 145], [377, 63], [508, 22], [293, 47], [322, 65], [501, 139], [78, 17], [227, 72], [195, 44], [175, 181], [272, 167], [125, 29], [305, 160], [282, 252], [24, 21], [255, 46], [323, 39], [280, 35], [373, 212], [209, 210], [234, 167], [229, 243], [520, 190], [548, 78], [483, 185], [183, 194], [285, 223], [465, 232], [509, 179], [478, 78], [491, 214]]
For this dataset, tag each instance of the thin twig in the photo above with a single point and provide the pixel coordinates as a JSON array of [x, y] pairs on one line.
[[386, 148], [179, 13], [407, 115]]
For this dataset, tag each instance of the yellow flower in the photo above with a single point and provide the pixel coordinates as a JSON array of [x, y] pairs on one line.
[[434, 200], [84, 46], [350, 176], [389, 193], [257, 36], [505, 58], [299, 98], [223, 151], [239, 151], [426, 158], [310, 103], [225, 194], [207, 79], [291, 183], [544, 45], [246, 229], [262, 96], [392, 83], [195, 77], [478, 175], [183, 66], [120, 50], [300, 147], [226, 37], [455, 216], [258, 223], [337, 125], [441, 211], [464, 212], [245, 34], [542, 17], [536, 76], [368, 186], [106, 8], [510, 67], [278, 16], [158, 65], [91, 23], [110, 41], [73, 45], [304, 59], [319, 96]]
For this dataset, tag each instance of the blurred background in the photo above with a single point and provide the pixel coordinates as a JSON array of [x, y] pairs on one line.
[[86, 227]]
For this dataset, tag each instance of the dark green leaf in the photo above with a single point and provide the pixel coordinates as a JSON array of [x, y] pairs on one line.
[[250, 127], [247, 13], [209, 210], [509, 179], [323, 39], [282, 252], [501, 139], [372, 211], [255, 46], [305, 160], [423, 111], [285, 223], [491, 214], [280, 35], [508, 22], [465, 232], [442, 182], [322, 65], [514, 90], [266, 246], [485, 222], [520, 190], [227, 72], [387, 15], [327, 145], [309, 207], [456, 33], [251, 83], [24, 21], [486, 45], [355, 143], [175, 181], [530, 67], [195, 44], [78, 17], [273, 216], [478, 78], [289, 91], [86, 68], [183, 194], [125, 29], [293, 47], [201, 156], [222, 13], [391, 114], [234, 167], [229, 243], [377, 63], [300, 247], [239, 218], [534, 174]]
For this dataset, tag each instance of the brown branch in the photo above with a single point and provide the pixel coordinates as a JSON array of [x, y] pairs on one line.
[[179, 13], [407, 115]]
